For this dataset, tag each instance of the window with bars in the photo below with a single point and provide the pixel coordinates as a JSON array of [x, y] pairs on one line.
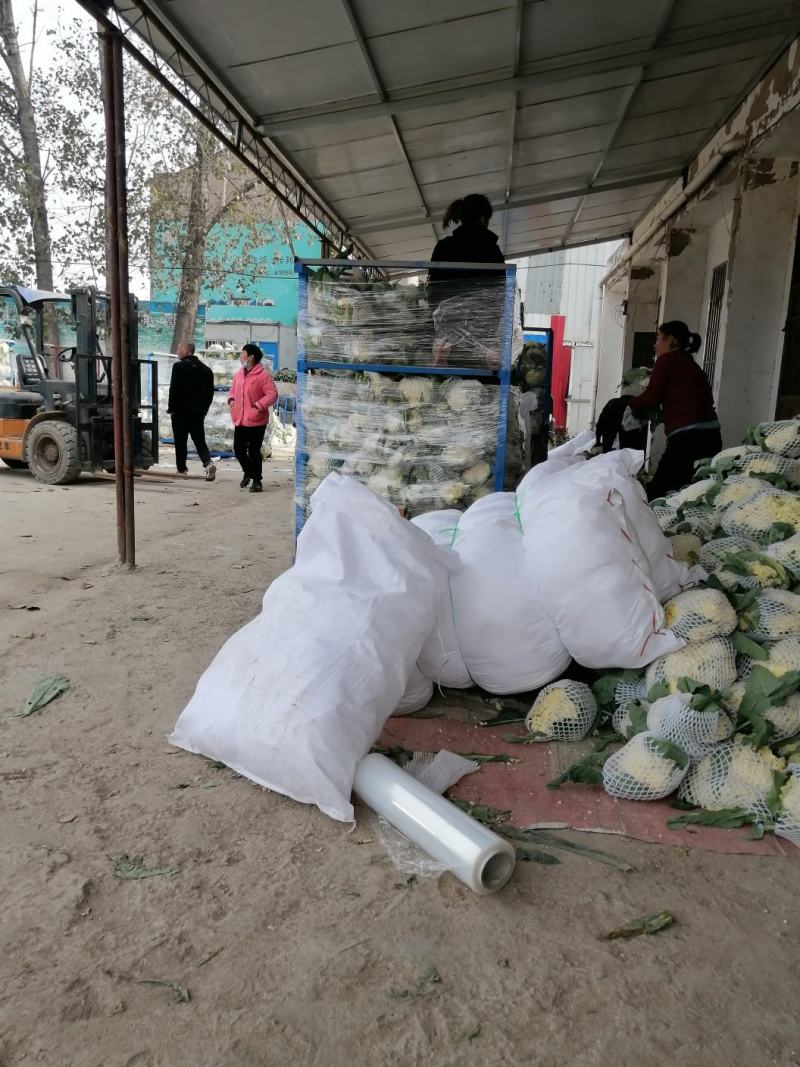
[[714, 320]]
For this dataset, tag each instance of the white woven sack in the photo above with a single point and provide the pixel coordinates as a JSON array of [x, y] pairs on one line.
[[299, 695], [587, 566], [505, 634], [440, 658]]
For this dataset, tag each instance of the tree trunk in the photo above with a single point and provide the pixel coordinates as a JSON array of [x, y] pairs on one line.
[[196, 233], [34, 182]]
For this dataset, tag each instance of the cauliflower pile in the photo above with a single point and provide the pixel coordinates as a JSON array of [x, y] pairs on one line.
[[718, 721]]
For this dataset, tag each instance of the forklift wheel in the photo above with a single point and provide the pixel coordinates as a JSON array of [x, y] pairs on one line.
[[53, 453], [15, 464]]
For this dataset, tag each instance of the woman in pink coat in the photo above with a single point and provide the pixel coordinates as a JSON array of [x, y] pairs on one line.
[[252, 394]]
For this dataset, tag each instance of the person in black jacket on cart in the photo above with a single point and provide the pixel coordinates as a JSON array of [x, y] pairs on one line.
[[191, 390]]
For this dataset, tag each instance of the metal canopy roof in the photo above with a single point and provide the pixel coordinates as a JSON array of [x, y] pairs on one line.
[[369, 116]]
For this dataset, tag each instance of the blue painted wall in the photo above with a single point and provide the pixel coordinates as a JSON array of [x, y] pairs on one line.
[[261, 269]]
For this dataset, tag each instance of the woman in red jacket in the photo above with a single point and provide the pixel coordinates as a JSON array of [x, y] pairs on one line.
[[679, 386], [253, 393]]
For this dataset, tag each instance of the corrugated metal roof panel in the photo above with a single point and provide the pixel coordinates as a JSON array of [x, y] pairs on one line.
[[370, 117]]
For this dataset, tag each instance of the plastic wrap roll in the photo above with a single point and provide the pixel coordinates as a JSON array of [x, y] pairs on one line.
[[479, 858]]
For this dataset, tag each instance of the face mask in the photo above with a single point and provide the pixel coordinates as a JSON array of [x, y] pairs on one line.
[[243, 360]]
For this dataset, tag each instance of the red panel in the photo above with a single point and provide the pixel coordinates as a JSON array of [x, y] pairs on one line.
[[522, 789], [562, 359]]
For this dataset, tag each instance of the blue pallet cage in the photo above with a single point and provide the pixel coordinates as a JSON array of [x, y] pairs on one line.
[[306, 268]]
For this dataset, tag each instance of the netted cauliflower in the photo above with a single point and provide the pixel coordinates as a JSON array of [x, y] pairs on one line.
[[785, 718], [781, 437], [711, 663], [787, 553], [734, 696], [735, 489], [464, 395], [733, 775], [694, 730], [322, 461], [787, 823], [459, 455], [784, 656], [768, 463], [691, 494], [646, 768], [452, 493], [763, 516], [686, 548], [563, 711], [714, 553], [775, 615], [699, 615]]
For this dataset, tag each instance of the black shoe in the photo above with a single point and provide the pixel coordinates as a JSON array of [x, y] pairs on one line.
[[255, 487], [243, 484]]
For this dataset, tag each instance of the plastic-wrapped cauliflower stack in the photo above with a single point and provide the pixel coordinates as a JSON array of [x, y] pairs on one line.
[[421, 443], [646, 768], [563, 711], [734, 775]]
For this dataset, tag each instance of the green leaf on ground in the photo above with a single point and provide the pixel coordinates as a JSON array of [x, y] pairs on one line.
[[134, 867], [485, 757], [647, 924], [535, 855], [45, 690]]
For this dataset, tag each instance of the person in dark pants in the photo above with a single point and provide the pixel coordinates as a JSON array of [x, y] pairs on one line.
[[191, 390], [679, 386], [253, 392]]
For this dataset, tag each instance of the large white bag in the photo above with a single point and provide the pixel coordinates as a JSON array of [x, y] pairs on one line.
[[440, 658], [296, 698], [587, 566], [505, 634]]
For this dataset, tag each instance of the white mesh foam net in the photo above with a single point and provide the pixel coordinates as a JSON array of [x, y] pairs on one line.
[[783, 656], [711, 663], [696, 732], [686, 547], [699, 615], [785, 718], [756, 516], [563, 711], [641, 770]]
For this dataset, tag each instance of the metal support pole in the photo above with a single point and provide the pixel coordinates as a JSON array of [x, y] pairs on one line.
[[112, 283], [126, 356]]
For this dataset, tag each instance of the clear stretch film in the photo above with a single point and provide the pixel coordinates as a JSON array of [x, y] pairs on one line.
[[479, 858]]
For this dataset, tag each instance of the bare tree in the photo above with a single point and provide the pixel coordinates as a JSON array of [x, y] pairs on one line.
[[31, 162]]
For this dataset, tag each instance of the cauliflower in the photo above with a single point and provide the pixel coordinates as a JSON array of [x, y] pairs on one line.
[[731, 456], [757, 516], [477, 474], [667, 517], [695, 493], [416, 390], [646, 768], [451, 493], [456, 455], [387, 485], [783, 656], [676, 720], [714, 553], [462, 396], [785, 718], [733, 775], [322, 461], [767, 463], [711, 663], [776, 614], [700, 614], [686, 547], [782, 437], [563, 711], [788, 822], [787, 553], [734, 696], [736, 489]]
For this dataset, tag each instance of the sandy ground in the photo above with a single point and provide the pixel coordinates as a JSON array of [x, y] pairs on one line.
[[298, 942]]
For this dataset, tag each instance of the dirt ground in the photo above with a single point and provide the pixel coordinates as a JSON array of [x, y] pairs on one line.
[[298, 941]]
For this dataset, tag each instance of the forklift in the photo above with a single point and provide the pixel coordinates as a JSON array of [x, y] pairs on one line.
[[56, 408]]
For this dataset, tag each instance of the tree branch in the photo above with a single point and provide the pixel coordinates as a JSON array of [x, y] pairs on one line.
[[33, 42], [223, 209]]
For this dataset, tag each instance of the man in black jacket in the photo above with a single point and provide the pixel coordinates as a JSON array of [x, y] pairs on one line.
[[191, 390]]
